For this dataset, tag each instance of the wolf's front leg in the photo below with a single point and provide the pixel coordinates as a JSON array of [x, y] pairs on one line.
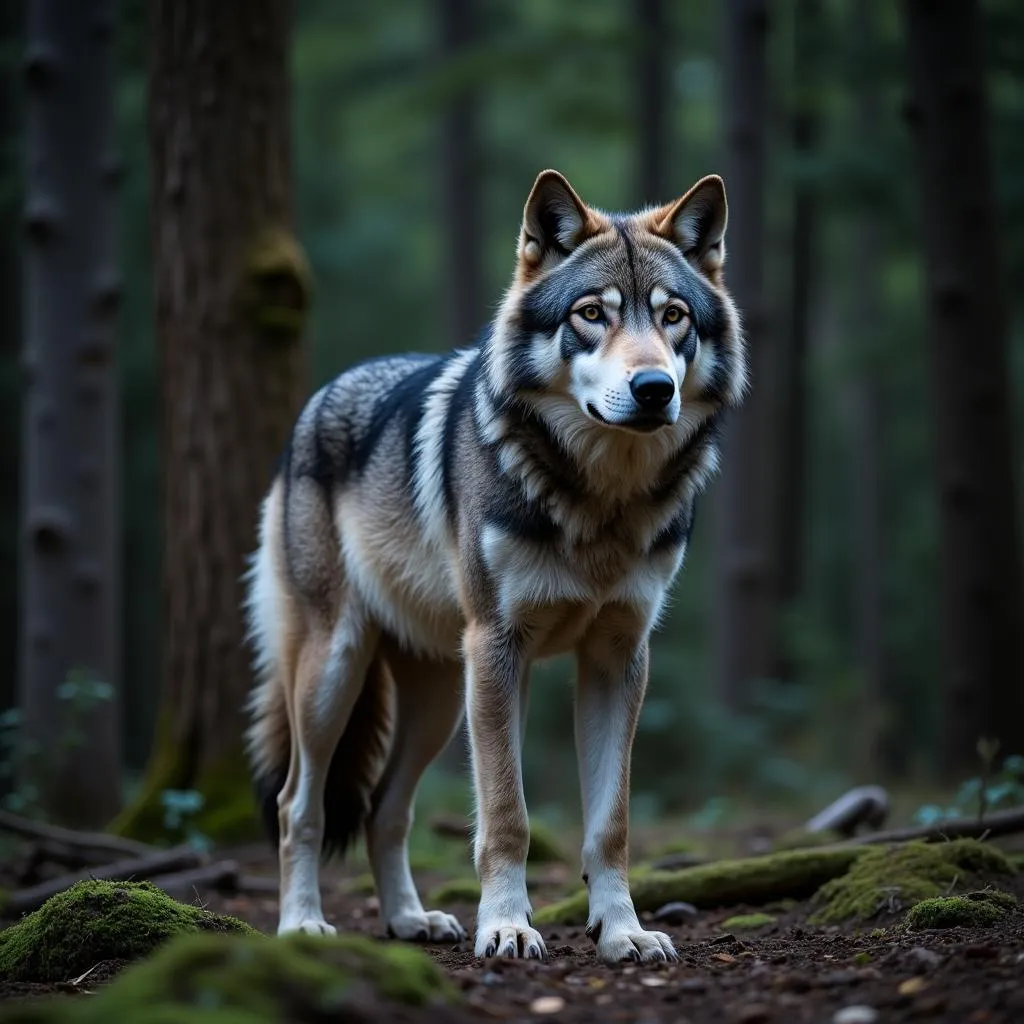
[[610, 691], [495, 672]]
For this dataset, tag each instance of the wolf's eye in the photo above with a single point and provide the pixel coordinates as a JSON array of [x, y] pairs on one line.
[[591, 312], [673, 315]]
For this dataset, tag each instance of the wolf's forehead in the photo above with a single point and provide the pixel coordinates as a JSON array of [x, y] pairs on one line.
[[634, 261]]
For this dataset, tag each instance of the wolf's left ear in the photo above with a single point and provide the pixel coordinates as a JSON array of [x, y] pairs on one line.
[[696, 223], [555, 221]]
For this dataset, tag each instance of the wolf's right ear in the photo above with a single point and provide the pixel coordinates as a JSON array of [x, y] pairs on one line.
[[555, 221]]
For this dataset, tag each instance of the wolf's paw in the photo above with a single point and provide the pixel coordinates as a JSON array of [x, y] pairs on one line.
[[428, 926], [513, 941], [306, 926], [635, 944]]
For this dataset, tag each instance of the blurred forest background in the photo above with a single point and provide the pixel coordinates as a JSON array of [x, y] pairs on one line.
[[817, 637]]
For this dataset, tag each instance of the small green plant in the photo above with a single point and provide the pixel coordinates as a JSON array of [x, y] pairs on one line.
[[993, 789], [24, 761], [180, 808]]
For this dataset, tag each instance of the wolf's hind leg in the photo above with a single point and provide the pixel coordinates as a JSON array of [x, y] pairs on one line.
[[330, 674], [429, 709]]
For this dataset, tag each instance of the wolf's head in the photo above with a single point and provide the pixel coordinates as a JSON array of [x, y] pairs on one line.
[[618, 323]]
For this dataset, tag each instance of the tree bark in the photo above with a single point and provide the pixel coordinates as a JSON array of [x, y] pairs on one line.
[[70, 526], [232, 291], [982, 622], [745, 621], [882, 752], [12, 29], [791, 487], [460, 174], [652, 90]]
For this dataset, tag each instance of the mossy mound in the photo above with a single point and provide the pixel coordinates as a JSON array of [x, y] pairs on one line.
[[544, 845], [794, 874], [458, 890], [893, 878], [747, 922], [216, 979], [973, 910], [94, 921]]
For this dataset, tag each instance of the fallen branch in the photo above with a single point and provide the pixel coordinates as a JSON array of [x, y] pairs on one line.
[[863, 805], [794, 874], [222, 875], [131, 869], [998, 823], [97, 842]]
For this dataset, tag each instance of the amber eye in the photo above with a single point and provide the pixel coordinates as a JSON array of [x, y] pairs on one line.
[[673, 315], [591, 312]]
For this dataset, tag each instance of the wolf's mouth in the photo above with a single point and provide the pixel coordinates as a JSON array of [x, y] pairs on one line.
[[640, 424]]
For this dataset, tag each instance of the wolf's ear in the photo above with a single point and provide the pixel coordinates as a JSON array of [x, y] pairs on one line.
[[555, 221], [696, 223]]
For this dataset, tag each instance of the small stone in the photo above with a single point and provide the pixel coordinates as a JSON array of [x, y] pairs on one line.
[[653, 981], [547, 1004], [693, 986], [755, 1013], [675, 913], [855, 1015], [926, 958], [725, 958], [912, 986], [490, 978], [719, 940], [834, 979]]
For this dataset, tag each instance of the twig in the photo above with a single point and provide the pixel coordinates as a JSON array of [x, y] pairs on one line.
[[135, 868], [998, 823], [221, 875], [116, 846]]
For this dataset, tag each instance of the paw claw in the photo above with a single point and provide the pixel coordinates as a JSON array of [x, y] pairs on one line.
[[307, 926], [512, 942], [637, 947]]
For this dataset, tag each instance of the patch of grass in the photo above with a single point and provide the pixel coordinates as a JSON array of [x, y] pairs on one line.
[[96, 920], [747, 922], [458, 890], [893, 878], [794, 874], [545, 847], [973, 910], [211, 979], [360, 885]]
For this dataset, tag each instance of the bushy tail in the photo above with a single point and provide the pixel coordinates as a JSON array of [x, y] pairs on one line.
[[362, 751]]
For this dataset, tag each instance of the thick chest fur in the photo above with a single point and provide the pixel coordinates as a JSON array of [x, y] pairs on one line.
[[556, 590]]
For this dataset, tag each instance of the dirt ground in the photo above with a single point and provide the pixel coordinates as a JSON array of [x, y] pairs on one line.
[[787, 971]]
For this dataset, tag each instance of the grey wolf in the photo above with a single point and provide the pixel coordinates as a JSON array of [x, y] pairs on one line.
[[439, 523]]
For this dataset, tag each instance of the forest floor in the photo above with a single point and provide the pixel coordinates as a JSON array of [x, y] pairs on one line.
[[787, 971]]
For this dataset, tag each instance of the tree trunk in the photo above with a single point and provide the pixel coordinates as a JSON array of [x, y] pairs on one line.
[[790, 489], [867, 407], [12, 30], [982, 622], [70, 479], [460, 175], [652, 89], [231, 296], [745, 620]]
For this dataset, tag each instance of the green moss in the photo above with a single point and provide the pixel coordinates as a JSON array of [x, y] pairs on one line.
[[974, 910], [94, 921], [278, 283], [544, 845], [801, 839], [794, 874], [747, 922], [228, 814], [258, 980], [1017, 860], [458, 890], [896, 877], [361, 885]]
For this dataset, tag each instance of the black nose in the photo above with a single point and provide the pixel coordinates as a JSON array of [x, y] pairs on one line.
[[652, 389]]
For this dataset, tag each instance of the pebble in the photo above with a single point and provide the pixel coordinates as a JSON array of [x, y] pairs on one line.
[[675, 913], [855, 1015], [693, 985], [547, 1004], [926, 958], [755, 1013]]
